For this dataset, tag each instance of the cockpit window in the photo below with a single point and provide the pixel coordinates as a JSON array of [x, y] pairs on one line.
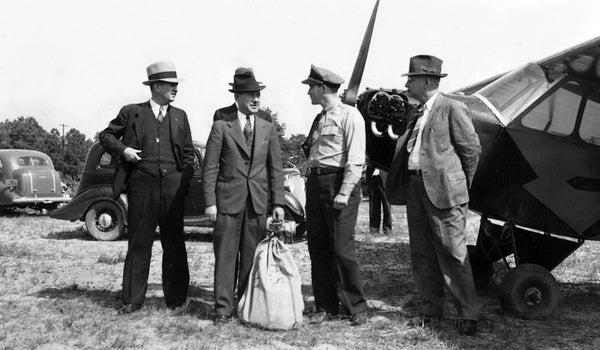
[[558, 112], [590, 122]]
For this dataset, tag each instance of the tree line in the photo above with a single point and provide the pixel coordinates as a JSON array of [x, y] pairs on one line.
[[68, 153]]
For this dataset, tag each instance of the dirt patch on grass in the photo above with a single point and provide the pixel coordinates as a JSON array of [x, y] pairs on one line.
[[59, 289]]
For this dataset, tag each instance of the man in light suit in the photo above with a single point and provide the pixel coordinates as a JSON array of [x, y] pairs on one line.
[[154, 145], [433, 167], [242, 172]]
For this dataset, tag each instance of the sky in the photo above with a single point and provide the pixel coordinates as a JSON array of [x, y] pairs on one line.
[[77, 62]]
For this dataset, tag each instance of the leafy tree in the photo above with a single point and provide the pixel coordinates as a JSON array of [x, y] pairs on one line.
[[291, 152]]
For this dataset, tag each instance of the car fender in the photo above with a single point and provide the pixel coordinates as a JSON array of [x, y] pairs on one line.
[[293, 204], [78, 206]]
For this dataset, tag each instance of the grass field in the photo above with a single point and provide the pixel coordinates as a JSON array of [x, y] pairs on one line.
[[59, 289]]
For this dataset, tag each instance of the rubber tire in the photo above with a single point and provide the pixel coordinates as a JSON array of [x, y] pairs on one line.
[[300, 228], [118, 218], [524, 278]]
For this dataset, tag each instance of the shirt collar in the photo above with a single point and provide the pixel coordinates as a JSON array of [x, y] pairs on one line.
[[430, 102], [156, 107]]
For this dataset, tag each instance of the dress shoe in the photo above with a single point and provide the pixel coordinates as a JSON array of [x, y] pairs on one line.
[[322, 316], [359, 318], [221, 320], [467, 327], [129, 308]]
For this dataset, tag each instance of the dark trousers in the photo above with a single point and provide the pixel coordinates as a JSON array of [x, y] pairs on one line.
[[377, 201], [335, 271], [439, 253], [235, 237], [155, 200]]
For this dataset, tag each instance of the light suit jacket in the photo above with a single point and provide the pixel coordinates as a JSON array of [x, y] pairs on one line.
[[449, 155], [231, 173]]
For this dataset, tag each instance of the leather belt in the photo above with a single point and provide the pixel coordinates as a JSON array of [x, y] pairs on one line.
[[328, 170], [415, 172]]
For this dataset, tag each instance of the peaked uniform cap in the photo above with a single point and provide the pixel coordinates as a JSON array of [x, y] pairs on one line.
[[161, 71], [425, 65], [244, 81], [324, 76]]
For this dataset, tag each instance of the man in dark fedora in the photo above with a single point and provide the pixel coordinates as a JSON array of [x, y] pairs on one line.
[[154, 145], [242, 172], [432, 169], [335, 151]]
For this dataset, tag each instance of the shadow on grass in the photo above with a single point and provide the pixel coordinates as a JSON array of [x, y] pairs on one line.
[[79, 234], [200, 300]]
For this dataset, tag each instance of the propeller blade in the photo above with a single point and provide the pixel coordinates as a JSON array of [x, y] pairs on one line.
[[359, 66]]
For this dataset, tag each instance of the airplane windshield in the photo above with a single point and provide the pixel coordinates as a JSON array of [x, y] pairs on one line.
[[515, 91]]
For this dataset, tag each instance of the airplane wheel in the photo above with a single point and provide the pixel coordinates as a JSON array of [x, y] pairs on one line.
[[105, 221], [529, 291]]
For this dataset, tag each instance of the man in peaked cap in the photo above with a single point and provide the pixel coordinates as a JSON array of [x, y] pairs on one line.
[[432, 169], [335, 151], [154, 145], [242, 172]]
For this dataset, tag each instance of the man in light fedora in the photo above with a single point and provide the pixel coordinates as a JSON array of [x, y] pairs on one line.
[[153, 143], [432, 169], [242, 172]]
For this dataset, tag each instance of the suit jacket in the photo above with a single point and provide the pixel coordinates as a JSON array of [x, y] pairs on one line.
[[227, 112], [231, 174], [449, 155], [127, 129]]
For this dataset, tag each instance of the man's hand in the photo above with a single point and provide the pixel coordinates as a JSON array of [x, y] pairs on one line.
[[340, 201], [278, 213], [211, 212], [131, 155]]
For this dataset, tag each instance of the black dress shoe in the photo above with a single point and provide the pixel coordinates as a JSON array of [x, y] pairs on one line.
[[359, 318], [467, 327], [221, 320], [129, 308]]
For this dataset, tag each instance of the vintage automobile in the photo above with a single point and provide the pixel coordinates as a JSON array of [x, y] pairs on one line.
[[28, 179], [106, 218]]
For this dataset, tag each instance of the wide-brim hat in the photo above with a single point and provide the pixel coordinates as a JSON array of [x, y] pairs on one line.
[[161, 71], [425, 65], [244, 81]]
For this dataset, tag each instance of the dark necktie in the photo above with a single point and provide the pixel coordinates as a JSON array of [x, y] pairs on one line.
[[248, 131], [307, 144], [161, 114], [415, 132]]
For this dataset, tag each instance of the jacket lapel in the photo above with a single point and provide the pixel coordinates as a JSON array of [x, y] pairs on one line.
[[174, 122], [140, 121], [433, 113], [260, 130], [235, 131]]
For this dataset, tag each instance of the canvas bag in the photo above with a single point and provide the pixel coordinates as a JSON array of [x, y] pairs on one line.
[[273, 297]]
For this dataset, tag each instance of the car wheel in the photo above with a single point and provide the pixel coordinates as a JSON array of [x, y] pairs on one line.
[[105, 221], [300, 227], [529, 291]]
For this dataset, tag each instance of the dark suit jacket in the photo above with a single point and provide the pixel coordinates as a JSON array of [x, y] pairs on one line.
[[449, 155], [126, 130], [231, 174], [227, 112]]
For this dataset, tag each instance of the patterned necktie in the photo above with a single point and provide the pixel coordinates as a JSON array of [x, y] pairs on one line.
[[248, 130], [161, 114], [415, 132]]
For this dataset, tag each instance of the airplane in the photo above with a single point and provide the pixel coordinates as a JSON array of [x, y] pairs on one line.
[[537, 185]]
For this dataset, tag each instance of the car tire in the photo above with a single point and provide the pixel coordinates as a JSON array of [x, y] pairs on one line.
[[105, 221], [529, 291]]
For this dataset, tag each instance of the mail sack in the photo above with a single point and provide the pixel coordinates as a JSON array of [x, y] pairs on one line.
[[273, 298]]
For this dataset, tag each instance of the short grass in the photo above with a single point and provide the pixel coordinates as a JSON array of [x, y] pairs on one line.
[[60, 290]]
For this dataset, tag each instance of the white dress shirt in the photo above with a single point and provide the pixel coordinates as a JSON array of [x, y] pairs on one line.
[[414, 159]]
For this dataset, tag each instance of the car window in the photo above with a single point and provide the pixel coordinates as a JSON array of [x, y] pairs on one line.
[[1, 166], [31, 161], [558, 112], [589, 131]]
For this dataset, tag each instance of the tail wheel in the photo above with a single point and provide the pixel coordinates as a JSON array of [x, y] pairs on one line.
[[105, 221], [529, 291]]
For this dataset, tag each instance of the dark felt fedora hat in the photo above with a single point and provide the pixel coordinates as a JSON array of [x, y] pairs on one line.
[[425, 65], [244, 81]]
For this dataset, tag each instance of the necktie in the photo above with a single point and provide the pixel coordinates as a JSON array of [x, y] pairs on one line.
[[161, 114], [248, 130], [413, 135]]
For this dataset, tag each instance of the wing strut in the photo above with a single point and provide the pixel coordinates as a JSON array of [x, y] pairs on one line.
[[359, 66]]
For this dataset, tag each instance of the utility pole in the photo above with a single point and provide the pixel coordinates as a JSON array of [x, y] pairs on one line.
[[63, 148]]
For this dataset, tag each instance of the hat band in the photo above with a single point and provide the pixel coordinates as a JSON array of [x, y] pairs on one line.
[[163, 75]]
